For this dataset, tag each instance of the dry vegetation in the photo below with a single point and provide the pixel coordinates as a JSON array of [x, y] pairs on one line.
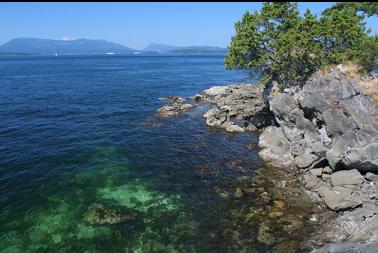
[[368, 83], [356, 72]]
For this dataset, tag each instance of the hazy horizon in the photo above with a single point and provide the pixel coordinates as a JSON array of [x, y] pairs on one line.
[[73, 39], [134, 25]]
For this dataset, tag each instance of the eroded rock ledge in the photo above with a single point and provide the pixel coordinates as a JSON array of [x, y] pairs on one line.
[[234, 108], [237, 108], [327, 120]]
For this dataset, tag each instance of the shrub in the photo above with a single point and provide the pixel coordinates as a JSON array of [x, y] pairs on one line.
[[368, 58]]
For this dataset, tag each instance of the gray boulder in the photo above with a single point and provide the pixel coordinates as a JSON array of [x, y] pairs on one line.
[[363, 157], [346, 177], [174, 109], [275, 148], [281, 105], [311, 181], [355, 150], [318, 172], [305, 160], [327, 170], [214, 117], [320, 91], [339, 198], [216, 91], [234, 129], [236, 107], [349, 118], [371, 177]]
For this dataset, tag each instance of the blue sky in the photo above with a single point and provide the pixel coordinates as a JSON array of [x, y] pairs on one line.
[[133, 24]]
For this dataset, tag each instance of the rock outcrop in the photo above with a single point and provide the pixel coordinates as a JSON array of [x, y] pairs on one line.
[[173, 99], [237, 108], [326, 121], [174, 109], [355, 231], [326, 129], [329, 131]]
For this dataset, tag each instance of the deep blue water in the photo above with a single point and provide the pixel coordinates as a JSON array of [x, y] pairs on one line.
[[81, 130]]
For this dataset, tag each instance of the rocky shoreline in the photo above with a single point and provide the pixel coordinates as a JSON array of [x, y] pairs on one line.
[[326, 131]]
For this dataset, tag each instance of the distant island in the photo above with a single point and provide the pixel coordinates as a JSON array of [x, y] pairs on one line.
[[169, 49], [36, 46], [199, 50]]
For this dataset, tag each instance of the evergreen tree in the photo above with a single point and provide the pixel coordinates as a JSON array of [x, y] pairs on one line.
[[342, 33], [370, 8], [369, 56], [286, 47]]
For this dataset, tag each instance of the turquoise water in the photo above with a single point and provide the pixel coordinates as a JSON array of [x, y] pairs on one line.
[[78, 131]]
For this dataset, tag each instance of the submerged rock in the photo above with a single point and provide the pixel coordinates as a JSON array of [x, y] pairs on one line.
[[108, 214], [265, 234], [291, 223], [234, 129], [174, 99], [197, 97], [174, 109]]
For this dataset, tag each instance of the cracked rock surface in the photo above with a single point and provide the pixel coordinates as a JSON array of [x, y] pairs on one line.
[[237, 108], [327, 119]]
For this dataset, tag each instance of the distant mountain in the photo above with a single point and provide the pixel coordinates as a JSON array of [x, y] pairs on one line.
[[12, 54], [164, 49], [62, 47], [198, 50], [160, 48], [35, 46]]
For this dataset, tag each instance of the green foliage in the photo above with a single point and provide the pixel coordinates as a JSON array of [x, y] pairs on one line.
[[342, 34], [369, 56], [287, 48], [370, 8], [297, 54], [254, 45]]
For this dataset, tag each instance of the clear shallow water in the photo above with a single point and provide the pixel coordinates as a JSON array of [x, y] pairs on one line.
[[75, 131]]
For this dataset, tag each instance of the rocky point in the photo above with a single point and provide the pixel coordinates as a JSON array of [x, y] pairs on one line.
[[327, 131]]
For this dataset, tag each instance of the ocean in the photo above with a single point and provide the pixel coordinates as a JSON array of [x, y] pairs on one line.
[[78, 131]]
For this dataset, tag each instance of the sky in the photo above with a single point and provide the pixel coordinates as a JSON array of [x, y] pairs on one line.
[[134, 25]]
